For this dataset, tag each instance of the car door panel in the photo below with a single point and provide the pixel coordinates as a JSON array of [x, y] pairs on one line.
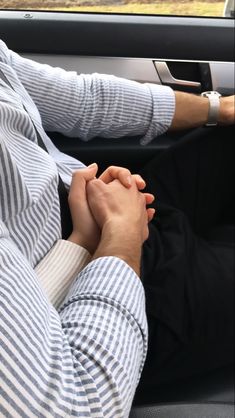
[[195, 50], [195, 76]]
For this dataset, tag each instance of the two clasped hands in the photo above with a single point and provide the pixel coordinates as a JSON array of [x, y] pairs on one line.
[[109, 214]]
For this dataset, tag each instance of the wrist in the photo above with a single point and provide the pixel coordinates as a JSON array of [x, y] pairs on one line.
[[122, 233], [226, 111], [78, 239], [122, 241]]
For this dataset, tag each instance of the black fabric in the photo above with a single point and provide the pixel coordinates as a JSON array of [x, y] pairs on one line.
[[213, 386], [66, 221], [188, 261], [194, 410]]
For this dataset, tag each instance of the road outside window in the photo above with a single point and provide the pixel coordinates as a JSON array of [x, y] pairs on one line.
[[213, 8]]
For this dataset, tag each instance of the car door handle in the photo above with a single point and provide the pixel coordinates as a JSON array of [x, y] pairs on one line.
[[167, 78]]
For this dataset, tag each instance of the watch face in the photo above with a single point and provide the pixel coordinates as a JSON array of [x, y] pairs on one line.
[[211, 94]]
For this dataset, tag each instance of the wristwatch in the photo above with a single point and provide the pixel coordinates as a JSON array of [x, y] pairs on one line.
[[214, 104]]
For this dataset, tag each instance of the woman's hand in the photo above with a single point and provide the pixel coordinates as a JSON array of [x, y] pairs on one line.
[[85, 229], [123, 175]]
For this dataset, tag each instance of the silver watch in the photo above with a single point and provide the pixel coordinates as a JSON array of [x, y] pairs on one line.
[[214, 104]]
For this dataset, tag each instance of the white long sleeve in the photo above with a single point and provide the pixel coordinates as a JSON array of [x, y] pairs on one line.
[[58, 269]]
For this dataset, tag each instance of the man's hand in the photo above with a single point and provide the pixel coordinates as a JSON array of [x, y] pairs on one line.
[[121, 214], [85, 229]]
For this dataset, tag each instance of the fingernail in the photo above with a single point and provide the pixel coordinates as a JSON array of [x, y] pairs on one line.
[[129, 180], [141, 179], [91, 165]]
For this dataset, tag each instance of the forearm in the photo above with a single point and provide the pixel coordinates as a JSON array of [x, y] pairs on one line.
[[86, 106], [191, 111]]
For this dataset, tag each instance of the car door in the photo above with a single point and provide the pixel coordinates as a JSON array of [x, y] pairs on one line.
[[189, 53]]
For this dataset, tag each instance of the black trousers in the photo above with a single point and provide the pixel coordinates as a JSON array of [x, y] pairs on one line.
[[188, 260]]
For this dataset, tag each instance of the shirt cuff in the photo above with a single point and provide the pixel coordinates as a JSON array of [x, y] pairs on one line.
[[163, 104], [59, 268]]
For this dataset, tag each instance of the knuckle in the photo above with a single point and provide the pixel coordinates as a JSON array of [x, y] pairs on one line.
[[90, 185]]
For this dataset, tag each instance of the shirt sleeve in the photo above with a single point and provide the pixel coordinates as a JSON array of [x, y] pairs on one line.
[[84, 360], [86, 106], [57, 270], [109, 281]]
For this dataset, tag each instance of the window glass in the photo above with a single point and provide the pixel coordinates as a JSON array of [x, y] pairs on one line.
[[213, 8]]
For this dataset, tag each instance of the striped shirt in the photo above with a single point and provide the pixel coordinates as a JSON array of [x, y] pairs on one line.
[[83, 359]]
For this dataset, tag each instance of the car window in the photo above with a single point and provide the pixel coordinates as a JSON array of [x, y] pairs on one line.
[[212, 8]]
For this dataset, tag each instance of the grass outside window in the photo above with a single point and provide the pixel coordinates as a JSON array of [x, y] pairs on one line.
[[159, 7]]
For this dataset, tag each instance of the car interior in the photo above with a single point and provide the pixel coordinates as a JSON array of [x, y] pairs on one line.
[[190, 54]]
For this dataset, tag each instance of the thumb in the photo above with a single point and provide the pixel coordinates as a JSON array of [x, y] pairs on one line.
[[80, 179], [89, 172]]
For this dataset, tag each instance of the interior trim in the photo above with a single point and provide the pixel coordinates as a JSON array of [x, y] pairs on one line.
[[138, 69]]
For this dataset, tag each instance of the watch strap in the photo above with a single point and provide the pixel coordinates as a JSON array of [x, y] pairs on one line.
[[214, 105]]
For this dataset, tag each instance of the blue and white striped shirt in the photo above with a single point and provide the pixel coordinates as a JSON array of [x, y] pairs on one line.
[[85, 359]]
